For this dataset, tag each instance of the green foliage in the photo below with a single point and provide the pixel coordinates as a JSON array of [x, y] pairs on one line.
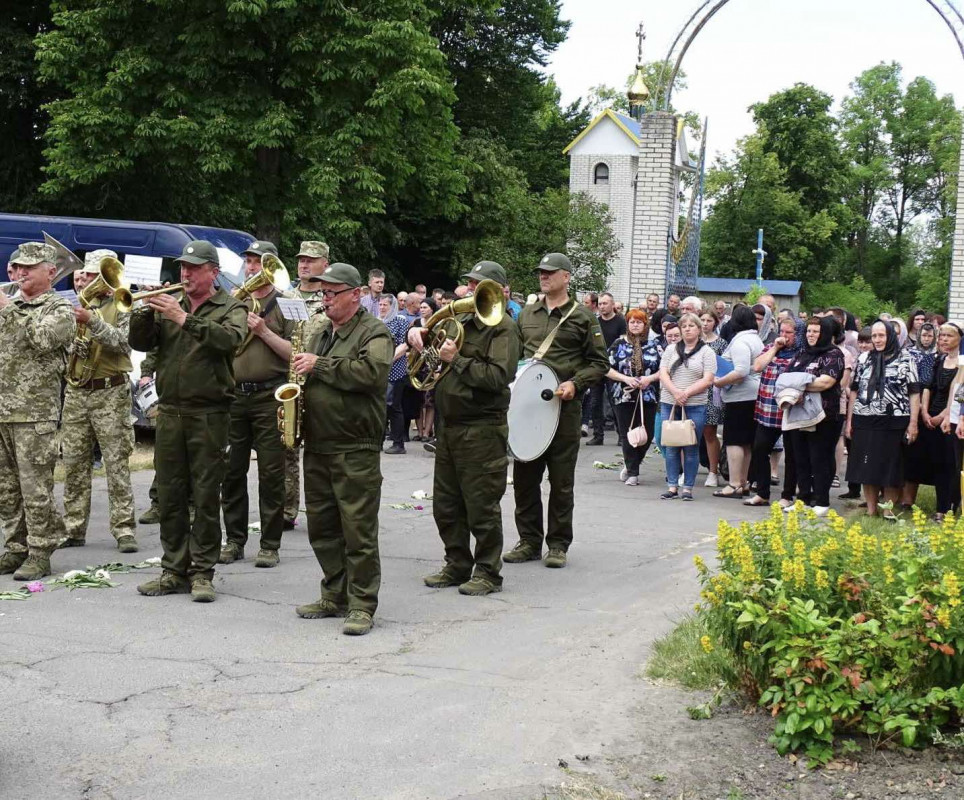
[[679, 657], [857, 297], [754, 293], [839, 629]]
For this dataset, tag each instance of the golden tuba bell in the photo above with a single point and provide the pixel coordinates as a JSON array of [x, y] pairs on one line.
[[488, 305], [85, 352], [273, 273]]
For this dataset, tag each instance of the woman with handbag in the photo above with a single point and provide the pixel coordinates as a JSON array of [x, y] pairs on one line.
[[634, 384], [686, 372]]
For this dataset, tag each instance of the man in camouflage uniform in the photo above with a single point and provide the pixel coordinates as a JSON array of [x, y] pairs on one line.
[[312, 261], [36, 328], [579, 359], [196, 339], [99, 411], [260, 367]]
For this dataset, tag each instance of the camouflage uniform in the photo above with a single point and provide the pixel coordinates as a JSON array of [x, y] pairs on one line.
[[100, 411], [34, 336]]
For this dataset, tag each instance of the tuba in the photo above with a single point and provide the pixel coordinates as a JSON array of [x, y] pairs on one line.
[[291, 396], [65, 261], [85, 352], [273, 273], [488, 305]]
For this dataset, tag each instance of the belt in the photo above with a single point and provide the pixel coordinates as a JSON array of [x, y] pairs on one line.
[[104, 383], [250, 387]]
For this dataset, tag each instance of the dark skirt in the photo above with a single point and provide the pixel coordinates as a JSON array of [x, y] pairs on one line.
[[876, 457], [924, 457], [740, 426]]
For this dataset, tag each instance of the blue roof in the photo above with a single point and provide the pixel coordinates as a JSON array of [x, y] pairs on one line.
[[742, 286], [630, 123]]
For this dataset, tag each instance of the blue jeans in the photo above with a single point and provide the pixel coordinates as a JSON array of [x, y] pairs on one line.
[[690, 455]]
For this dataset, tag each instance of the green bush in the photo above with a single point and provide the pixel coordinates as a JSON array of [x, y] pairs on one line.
[[857, 297], [841, 629]]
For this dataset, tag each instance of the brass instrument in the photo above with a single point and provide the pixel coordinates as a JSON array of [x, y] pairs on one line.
[[65, 261], [273, 273], [291, 396], [488, 305], [125, 300], [85, 352]]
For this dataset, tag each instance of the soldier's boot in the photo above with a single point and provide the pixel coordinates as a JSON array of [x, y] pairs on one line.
[[523, 551], [150, 517], [34, 568], [556, 558], [479, 586], [442, 579], [202, 590], [167, 583], [10, 562], [320, 609], [267, 558], [358, 623], [70, 541], [230, 553], [127, 544]]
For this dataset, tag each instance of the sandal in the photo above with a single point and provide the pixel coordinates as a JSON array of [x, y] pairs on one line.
[[734, 491], [669, 494], [686, 494], [756, 500]]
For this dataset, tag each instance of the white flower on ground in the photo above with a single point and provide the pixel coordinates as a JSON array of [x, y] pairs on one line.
[[74, 573]]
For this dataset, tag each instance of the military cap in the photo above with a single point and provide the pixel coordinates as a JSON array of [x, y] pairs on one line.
[[313, 250], [487, 270], [14, 255], [553, 262], [32, 253], [94, 257], [260, 247], [339, 273], [199, 252]]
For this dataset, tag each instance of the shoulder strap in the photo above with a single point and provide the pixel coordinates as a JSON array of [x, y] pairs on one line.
[[547, 342]]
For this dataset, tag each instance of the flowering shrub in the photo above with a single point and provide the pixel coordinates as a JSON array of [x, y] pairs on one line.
[[839, 630]]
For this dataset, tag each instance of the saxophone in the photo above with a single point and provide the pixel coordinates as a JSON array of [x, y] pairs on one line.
[[291, 396]]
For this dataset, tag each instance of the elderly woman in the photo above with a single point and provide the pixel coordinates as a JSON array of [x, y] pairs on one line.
[[814, 448], [686, 371], [739, 391], [634, 386], [883, 413]]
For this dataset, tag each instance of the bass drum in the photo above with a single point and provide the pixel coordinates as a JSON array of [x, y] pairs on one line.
[[533, 411]]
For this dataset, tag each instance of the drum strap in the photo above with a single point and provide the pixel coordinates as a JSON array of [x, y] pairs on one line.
[[547, 342]]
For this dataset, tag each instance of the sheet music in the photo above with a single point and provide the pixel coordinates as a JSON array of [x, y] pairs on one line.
[[293, 308]]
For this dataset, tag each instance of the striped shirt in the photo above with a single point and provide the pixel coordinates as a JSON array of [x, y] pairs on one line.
[[689, 373]]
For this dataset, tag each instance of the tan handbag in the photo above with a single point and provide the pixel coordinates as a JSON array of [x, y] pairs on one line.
[[637, 436], [678, 433]]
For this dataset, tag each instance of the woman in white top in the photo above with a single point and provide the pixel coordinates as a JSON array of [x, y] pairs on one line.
[[686, 371]]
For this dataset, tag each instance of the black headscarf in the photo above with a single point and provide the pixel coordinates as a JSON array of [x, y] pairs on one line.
[[743, 319], [828, 332], [879, 359]]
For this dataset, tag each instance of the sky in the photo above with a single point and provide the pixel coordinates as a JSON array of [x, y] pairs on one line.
[[753, 48]]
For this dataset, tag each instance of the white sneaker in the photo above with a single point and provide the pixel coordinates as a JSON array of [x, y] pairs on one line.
[[821, 511], [585, 430], [712, 479], [632, 480], [623, 474]]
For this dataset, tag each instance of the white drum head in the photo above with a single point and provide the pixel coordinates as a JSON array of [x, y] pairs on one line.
[[532, 420]]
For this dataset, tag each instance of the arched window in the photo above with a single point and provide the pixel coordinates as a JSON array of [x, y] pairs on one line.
[[600, 175]]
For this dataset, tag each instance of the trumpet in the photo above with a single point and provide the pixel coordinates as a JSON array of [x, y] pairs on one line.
[[125, 300]]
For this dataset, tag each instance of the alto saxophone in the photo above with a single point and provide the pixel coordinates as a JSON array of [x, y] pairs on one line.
[[291, 396]]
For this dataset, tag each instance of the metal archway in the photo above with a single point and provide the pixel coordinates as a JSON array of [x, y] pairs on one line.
[[947, 10]]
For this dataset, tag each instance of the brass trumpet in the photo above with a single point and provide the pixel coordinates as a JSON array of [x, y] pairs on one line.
[[488, 305], [125, 300]]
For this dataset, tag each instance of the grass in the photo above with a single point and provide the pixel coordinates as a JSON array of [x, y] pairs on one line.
[[679, 657]]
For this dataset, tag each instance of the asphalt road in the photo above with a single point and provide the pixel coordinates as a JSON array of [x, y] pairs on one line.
[[110, 694]]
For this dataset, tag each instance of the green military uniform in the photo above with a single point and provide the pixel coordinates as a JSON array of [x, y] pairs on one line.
[[34, 337], [195, 384], [577, 354], [100, 411], [344, 427], [472, 444], [258, 371]]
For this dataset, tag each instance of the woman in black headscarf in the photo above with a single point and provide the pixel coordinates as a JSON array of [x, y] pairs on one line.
[[813, 448], [884, 408]]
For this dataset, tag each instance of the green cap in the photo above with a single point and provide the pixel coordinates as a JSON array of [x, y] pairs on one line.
[[14, 256], [553, 262], [339, 273], [199, 252], [94, 257], [313, 249], [29, 254], [487, 270], [260, 247]]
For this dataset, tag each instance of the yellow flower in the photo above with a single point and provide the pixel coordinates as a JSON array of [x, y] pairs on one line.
[[888, 573], [700, 565], [952, 587], [944, 617], [706, 644], [786, 570], [799, 574], [799, 548], [821, 579]]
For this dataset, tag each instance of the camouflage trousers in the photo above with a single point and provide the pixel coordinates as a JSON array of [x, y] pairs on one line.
[[104, 416], [28, 453], [292, 482]]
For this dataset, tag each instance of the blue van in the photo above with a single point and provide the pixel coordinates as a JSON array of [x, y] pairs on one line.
[[159, 239]]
